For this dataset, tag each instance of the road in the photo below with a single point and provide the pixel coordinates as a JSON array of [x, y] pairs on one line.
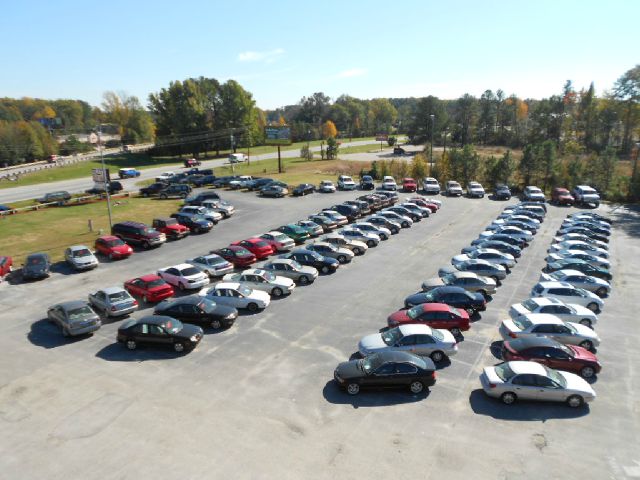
[[16, 194], [258, 400]]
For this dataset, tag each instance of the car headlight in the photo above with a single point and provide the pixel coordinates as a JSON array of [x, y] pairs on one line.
[[194, 338]]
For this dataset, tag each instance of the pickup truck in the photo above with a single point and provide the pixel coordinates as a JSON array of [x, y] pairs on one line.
[[170, 227], [586, 195]]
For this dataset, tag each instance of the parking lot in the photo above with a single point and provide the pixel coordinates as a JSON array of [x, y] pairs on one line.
[[258, 400]]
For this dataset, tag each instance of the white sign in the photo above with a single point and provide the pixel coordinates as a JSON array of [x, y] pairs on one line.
[[99, 175]]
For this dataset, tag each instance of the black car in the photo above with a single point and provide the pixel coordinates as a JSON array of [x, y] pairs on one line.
[[36, 266], [204, 180], [195, 223], [272, 190], [581, 266], [456, 297], [366, 183], [503, 247], [303, 189], [361, 205], [114, 187], [152, 189], [349, 211], [198, 310], [502, 192], [178, 178], [258, 183], [159, 330], [416, 217], [60, 197], [386, 370], [196, 200], [501, 237], [313, 259], [200, 171], [175, 190]]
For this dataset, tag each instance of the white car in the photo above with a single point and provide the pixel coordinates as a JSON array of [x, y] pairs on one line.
[[370, 239], [547, 325], [430, 185], [221, 206], [326, 186], [184, 276], [265, 280], [531, 223], [424, 212], [389, 183], [339, 240], [335, 216], [494, 256], [283, 267], [212, 264], [453, 188], [345, 182], [210, 215], [571, 221], [514, 232], [533, 194], [568, 294], [418, 339], [403, 220], [238, 296], [383, 232], [279, 240], [512, 381], [579, 245], [588, 257], [165, 177], [581, 237], [567, 312], [80, 257], [579, 280], [475, 189], [240, 182]]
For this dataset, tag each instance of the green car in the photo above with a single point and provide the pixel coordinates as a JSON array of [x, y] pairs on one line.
[[297, 233]]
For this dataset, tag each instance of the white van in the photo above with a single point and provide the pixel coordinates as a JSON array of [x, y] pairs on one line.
[[237, 157]]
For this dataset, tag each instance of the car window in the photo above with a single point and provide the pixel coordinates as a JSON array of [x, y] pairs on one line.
[[544, 328], [562, 329], [545, 382], [526, 380], [386, 369], [405, 368], [408, 340], [156, 330], [424, 339]]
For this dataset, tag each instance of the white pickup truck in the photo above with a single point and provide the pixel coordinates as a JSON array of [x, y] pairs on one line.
[[586, 195]]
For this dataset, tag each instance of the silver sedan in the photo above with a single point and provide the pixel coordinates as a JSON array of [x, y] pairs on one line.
[[113, 302]]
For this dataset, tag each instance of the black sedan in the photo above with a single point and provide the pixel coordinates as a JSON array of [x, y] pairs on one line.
[[303, 189], [502, 193], [198, 310], [456, 297], [386, 370], [503, 247], [36, 266], [313, 259], [204, 180], [159, 330], [366, 183]]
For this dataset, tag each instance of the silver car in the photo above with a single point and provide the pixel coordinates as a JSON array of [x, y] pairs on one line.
[[343, 255], [356, 246], [568, 294], [467, 280], [113, 302], [403, 220], [283, 267], [260, 279], [74, 318], [221, 206], [371, 239], [80, 257], [419, 339], [494, 256], [579, 245], [383, 232], [210, 215], [483, 268], [512, 381], [594, 260], [579, 280], [212, 264]]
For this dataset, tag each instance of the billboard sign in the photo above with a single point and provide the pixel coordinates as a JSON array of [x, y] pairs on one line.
[[382, 137], [277, 135], [99, 176]]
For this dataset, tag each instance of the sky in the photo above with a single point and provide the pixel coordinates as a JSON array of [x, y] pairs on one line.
[[283, 50]]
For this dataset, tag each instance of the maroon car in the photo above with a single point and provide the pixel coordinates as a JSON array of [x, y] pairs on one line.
[[239, 256], [421, 202], [562, 196], [436, 315], [546, 351], [260, 247]]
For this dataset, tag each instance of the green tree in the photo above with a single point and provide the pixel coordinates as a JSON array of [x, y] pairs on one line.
[[419, 166], [332, 148], [383, 113], [465, 163], [627, 91]]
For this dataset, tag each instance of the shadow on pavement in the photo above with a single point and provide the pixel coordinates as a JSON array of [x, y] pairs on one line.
[[481, 404], [117, 352], [46, 334], [627, 217], [370, 398], [496, 349]]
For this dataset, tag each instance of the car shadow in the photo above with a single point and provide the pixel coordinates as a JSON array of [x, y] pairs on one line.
[[496, 349], [46, 334], [63, 268], [355, 356], [475, 317], [522, 411], [332, 393], [117, 352]]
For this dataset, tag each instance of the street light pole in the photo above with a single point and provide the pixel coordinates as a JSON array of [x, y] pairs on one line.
[[104, 176], [431, 155]]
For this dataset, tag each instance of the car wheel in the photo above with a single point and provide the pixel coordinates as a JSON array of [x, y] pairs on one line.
[[178, 347], [216, 324], [587, 345], [601, 292], [342, 259], [357, 251], [593, 306], [303, 280], [353, 389], [575, 401], [371, 243], [183, 195], [385, 236], [586, 322], [181, 286], [252, 307], [325, 269], [587, 372], [163, 196], [416, 387], [131, 344], [395, 231], [276, 292], [496, 279], [405, 224], [437, 356], [508, 398], [455, 331], [145, 245], [145, 194], [470, 311], [65, 332], [196, 230], [111, 257], [484, 293]]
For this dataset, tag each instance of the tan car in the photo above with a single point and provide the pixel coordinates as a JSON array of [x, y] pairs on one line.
[[467, 280], [337, 240]]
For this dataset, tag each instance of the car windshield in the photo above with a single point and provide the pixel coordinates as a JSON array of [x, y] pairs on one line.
[[270, 277], [116, 242], [455, 311], [529, 305], [281, 237], [216, 260], [156, 283], [414, 312], [371, 363], [296, 265], [243, 252], [207, 305], [315, 255], [245, 291], [504, 372], [85, 252], [35, 261], [522, 323], [583, 293], [262, 243], [391, 337], [566, 350], [189, 271], [119, 296], [172, 326], [150, 230], [556, 276], [79, 313], [437, 334], [556, 377], [448, 278]]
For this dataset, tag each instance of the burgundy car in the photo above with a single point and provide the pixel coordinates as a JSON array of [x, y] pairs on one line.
[[112, 247], [151, 288], [421, 202], [260, 247], [562, 196], [436, 315], [546, 351], [239, 256], [409, 185]]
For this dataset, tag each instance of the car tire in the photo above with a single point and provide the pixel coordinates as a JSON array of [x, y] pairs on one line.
[[416, 387], [181, 286], [484, 293], [145, 245], [303, 280], [357, 251], [575, 401], [252, 307], [405, 224], [593, 306], [183, 195], [395, 231], [587, 372], [65, 332], [353, 388], [470, 311], [178, 347], [216, 324], [276, 292], [131, 344], [601, 292], [324, 269], [437, 356], [586, 322], [455, 331], [163, 196], [508, 398], [342, 259], [371, 243], [587, 345], [111, 257]]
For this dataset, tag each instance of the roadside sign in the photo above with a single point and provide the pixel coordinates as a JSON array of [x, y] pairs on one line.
[[98, 175], [277, 135], [382, 137]]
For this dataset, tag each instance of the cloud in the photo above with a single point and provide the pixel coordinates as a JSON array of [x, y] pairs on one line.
[[267, 57], [352, 72]]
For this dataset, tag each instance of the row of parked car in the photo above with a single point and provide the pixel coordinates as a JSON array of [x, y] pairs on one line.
[[217, 305], [548, 341]]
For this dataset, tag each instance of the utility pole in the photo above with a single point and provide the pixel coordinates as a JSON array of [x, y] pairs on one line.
[[104, 176], [433, 117], [279, 161]]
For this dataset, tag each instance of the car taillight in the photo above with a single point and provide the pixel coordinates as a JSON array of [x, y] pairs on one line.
[[513, 335], [492, 385], [113, 309], [433, 374], [135, 302]]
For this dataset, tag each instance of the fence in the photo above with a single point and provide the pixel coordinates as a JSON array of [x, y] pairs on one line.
[[83, 200]]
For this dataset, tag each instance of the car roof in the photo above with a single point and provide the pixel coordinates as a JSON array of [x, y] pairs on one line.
[[73, 248], [38, 254], [415, 329], [450, 289], [288, 261], [544, 301], [551, 284], [275, 233], [520, 367], [569, 271], [179, 266], [529, 342], [539, 318], [435, 307], [400, 356], [107, 238], [155, 319], [188, 300], [231, 285], [110, 290], [72, 304]]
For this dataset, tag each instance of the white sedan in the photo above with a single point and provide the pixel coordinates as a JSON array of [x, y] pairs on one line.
[[238, 296], [582, 237], [512, 381], [418, 339], [184, 276], [567, 312], [370, 239], [265, 280], [278, 240], [326, 186], [383, 232], [568, 294], [579, 280]]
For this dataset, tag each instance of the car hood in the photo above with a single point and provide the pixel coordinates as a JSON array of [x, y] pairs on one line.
[[349, 369], [578, 384], [585, 332], [308, 270], [460, 258], [89, 259], [583, 311], [415, 299], [283, 281], [371, 343], [518, 309], [224, 310], [399, 317], [122, 249], [259, 295], [188, 331]]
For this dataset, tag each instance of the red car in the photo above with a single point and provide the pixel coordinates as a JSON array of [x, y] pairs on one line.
[[562, 196], [151, 288], [112, 247], [170, 227], [436, 315], [6, 265], [409, 185], [421, 202], [260, 247], [239, 256], [555, 355]]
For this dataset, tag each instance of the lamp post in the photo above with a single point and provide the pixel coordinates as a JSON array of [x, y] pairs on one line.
[[104, 176], [433, 117]]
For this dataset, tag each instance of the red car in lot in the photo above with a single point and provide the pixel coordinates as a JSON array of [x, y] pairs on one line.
[[562, 196], [436, 315], [260, 247], [239, 256], [151, 288], [421, 202], [6, 265], [112, 247], [570, 358], [409, 185]]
